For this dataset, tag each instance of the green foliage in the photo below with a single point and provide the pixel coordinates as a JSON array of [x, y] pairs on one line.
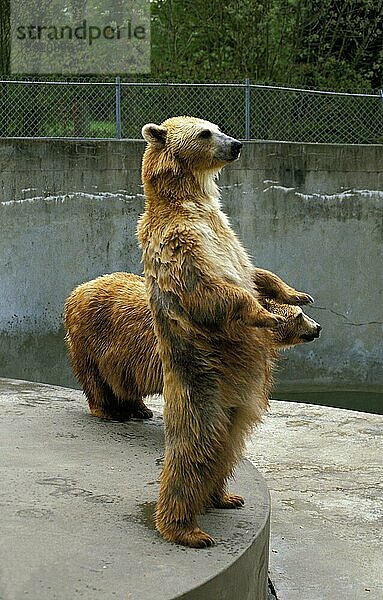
[[333, 44], [102, 129], [328, 44], [342, 43], [4, 36]]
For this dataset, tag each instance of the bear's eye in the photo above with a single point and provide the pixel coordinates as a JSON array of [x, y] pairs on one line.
[[205, 134], [299, 316]]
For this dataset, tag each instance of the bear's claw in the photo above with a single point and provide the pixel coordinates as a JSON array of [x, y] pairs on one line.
[[302, 298], [141, 412], [193, 537]]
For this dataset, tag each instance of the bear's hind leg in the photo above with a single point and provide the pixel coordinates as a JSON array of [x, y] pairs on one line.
[[100, 397], [194, 458], [124, 410], [240, 422], [223, 499], [141, 411], [181, 498]]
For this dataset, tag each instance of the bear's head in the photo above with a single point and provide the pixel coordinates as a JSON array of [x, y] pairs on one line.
[[186, 147], [297, 328]]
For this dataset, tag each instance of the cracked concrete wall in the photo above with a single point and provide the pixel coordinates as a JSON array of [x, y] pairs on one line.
[[312, 213]]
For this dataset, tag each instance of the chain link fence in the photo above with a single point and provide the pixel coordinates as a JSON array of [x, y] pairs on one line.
[[89, 110]]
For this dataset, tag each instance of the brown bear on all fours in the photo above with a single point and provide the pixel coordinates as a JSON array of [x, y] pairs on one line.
[[214, 337], [113, 347]]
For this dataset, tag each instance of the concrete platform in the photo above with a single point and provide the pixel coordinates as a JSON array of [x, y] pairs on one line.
[[77, 497]]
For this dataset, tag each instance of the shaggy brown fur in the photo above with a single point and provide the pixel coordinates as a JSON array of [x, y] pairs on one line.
[[113, 347], [216, 351]]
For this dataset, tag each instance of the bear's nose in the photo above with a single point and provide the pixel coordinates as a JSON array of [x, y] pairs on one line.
[[236, 148]]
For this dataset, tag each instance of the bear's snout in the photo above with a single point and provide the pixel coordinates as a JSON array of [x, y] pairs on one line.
[[228, 149], [235, 148], [309, 337]]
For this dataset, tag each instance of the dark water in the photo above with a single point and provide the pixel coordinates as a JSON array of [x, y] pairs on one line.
[[369, 399], [146, 516]]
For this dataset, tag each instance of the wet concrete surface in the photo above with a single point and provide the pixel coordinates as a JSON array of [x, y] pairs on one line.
[[77, 499], [324, 469]]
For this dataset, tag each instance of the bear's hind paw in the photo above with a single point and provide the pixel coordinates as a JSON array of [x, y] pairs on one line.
[[196, 539], [191, 537], [228, 501]]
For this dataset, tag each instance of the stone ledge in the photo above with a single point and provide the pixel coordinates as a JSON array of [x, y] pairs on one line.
[[78, 495]]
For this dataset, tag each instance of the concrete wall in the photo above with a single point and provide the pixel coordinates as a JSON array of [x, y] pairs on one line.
[[311, 213]]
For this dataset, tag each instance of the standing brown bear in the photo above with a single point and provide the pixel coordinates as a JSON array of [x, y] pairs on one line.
[[213, 337]]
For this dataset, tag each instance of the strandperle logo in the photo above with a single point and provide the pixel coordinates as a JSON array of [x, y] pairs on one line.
[[107, 36], [89, 33]]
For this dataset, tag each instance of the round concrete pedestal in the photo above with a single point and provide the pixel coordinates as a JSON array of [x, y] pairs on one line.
[[77, 501]]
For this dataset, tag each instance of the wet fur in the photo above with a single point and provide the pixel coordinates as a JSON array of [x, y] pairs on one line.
[[213, 333]]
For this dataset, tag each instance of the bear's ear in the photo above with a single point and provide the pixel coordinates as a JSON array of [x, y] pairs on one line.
[[154, 134]]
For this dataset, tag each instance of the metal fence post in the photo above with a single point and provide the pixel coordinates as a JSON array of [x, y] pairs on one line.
[[118, 108], [247, 109]]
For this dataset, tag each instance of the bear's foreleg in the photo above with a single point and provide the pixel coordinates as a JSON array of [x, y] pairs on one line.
[[212, 304], [196, 435], [270, 285]]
